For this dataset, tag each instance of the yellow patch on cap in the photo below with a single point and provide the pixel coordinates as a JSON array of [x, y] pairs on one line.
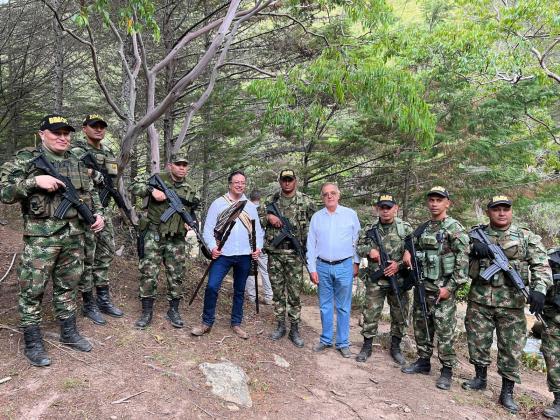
[[500, 198], [386, 197], [54, 120], [438, 188], [94, 117]]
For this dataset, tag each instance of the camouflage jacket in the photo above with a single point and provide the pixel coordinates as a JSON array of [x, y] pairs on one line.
[[297, 209], [526, 254], [442, 249], [392, 236], [175, 225], [103, 156], [38, 206], [552, 303]]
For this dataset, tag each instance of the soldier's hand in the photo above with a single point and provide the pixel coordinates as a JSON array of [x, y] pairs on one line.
[[374, 255], [356, 269], [99, 224], [314, 277], [49, 183], [480, 250], [216, 253], [158, 195], [391, 269], [536, 302], [187, 227], [444, 294], [255, 255], [274, 221], [407, 259]]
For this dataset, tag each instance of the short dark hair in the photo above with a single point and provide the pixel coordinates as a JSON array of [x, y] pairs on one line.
[[255, 195], [236, 172]]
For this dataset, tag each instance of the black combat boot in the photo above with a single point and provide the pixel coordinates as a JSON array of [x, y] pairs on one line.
[[90, 309], [280, 331], [444, 380], [479, 381], [294, 335], [506, 396], [69, 335], [422, 365], [34, 348], [365, 352], [554, 411], [146, 317], [105, 304], [173, 314], [396, 350]]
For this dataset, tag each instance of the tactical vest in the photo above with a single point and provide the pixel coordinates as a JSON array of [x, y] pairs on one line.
[[104, 158], [401, 233], [435, 253]]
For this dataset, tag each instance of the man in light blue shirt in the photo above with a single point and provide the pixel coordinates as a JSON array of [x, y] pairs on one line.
[[333, 263], [236, 253]]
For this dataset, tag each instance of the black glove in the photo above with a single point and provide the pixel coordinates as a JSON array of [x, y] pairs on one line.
[[536, 302], [480, 250]]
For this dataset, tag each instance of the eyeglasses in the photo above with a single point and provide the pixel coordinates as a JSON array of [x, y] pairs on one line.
[[329, 194]]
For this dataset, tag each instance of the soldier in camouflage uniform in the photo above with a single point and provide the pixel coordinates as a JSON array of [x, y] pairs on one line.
[[497, 304], [392, 231], [164, 242], [551, 336], [284, 266], [53, 247], [442, 249], [100, 248]]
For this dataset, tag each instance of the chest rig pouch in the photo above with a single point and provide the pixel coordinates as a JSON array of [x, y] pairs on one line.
[[515, 248], [438, 259]]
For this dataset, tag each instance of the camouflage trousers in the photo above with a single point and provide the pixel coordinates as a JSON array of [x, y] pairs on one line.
[[511, 329], [169, 250], [286, 277], [441, 325], [99, 253], [60, 257], [375, 299], [551, 351]]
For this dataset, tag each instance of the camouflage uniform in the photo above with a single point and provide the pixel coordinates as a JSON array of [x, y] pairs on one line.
[[442, 249], [498, 304], [284, 266], [99, 248], [52, 247], [163, 242], [551, 337], [393, 242]]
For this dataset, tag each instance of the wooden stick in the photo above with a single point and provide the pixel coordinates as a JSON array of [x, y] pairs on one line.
[[125, 399], [349, 406], [9, 268]]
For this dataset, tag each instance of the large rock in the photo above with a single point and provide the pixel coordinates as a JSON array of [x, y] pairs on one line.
[[228, 382]]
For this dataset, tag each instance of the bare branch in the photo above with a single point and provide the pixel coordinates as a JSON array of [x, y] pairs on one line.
[[257, 69]]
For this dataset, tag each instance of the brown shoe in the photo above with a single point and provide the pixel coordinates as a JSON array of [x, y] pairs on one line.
[[201, 329], [239, 332]]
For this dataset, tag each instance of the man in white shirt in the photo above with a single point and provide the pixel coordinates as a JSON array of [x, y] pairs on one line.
[[236, 253], [333, 263]]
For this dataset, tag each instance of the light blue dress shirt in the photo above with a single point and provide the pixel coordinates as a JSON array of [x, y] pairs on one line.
[[332, 236], [238, 241]]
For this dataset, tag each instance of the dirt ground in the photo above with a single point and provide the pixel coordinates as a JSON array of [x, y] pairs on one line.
[[158, 368]]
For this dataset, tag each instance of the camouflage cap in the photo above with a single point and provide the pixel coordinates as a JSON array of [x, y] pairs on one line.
[[497, 200], [437, 190], [287, 173], [53, 122], [179, 157], [385, 200], [91, 119]]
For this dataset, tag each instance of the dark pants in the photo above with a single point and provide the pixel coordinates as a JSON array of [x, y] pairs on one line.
[[241, 266]]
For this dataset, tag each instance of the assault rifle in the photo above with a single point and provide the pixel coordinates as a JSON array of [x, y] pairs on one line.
[[109, 191], [384, 259], [70, 196], [501, 263], [286, 233], [417, 279], [176, 205]]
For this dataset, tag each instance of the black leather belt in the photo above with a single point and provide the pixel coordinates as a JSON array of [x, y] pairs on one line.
[[332, 262]]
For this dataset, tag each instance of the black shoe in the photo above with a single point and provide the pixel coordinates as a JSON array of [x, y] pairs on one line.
[[444, 380], [90, 309], [366, 350], [69, 335], [146, 317], [34, 348], [479, 381], [422, 366], [319, 347], [294, 336], [173, 314], [105, 304], [554, 411], [396, 350], [506, 396], [280, 331]]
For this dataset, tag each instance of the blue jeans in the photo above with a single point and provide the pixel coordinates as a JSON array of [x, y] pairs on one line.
[[335, 283], [241, 265]]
